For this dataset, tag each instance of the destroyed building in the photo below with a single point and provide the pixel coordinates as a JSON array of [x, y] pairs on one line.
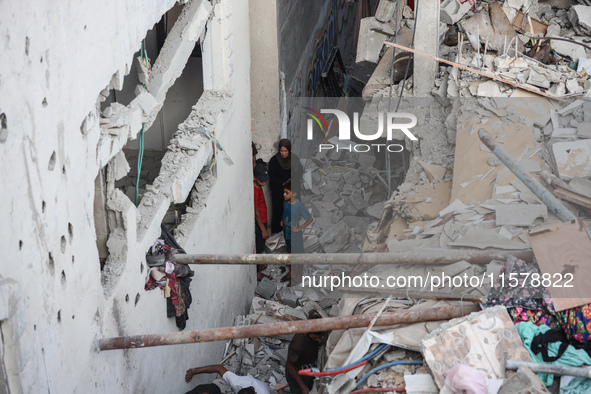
[[126, 129]]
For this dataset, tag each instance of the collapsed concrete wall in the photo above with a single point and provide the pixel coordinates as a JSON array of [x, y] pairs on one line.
[[56, 302]]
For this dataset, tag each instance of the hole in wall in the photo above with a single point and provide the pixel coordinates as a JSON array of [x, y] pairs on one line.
[[3, 127], [63, 244], [137, 299], [59, 316], [63, 278], [51, 264], [51, 164], [101, 217], [126, 297], [44, 102], [181, 97], [20, 245], [71, 231], [84, 127], [27, 44]]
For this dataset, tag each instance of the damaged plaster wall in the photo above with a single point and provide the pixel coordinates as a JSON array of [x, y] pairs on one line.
[[264, 75], [58, 308], [307, 33]]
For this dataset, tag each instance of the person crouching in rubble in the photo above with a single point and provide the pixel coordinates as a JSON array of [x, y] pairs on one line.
[[302, 354], [239, 384]]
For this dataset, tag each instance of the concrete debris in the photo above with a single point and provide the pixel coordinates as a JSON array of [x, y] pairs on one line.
[[481, 238], [371, 40], [265, 288], [584, 65], [520, 214], [573, 158], [524, 381], [490, 25], [573, 51], [580, 17], [386, 10], [581, 185], [451, 11]]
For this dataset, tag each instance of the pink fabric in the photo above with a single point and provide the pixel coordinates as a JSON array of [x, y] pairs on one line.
[[473, 2], [467, 378]]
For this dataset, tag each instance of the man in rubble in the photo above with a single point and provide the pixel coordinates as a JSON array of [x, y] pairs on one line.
[[302, 354], [239, 384]]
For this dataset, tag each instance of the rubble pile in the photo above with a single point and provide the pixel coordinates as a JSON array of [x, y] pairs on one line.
[[498, 40], [345, 196], [455, 194]]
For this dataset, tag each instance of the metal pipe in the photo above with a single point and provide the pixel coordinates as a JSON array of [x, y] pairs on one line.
[[550, 369], [295, 327], [532, 183], [426, 256]]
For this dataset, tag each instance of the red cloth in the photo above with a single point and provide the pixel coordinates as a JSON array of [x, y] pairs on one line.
[[259, 202]]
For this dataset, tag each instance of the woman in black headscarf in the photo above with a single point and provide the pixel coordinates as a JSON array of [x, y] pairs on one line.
[[282, 167]]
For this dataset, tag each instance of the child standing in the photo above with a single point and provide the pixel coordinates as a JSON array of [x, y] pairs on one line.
[[293, 212]]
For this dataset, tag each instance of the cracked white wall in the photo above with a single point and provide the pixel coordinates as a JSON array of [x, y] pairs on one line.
[[54, 307]]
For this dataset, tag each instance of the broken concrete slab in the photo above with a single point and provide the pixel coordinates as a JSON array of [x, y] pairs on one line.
[[451, 11], [520, 214], [581, 185], [489, 89], [573, 86], [584, 64], [538, 78], [564, 48], [276, 310], [571, 107], [120, 165], [370, 41], [482, 238], [288, 297], [386, 10], [491, 25], [266, 288], [524, 381], [420, 383], [376, 210], [581, 15], [584, 130], [573, 158]]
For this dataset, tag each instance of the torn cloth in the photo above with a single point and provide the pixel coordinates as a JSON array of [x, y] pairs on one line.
[[180, 300], [571, 357]]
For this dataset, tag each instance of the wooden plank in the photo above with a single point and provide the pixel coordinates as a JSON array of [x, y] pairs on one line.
[[576, 198], [564, 252], [532, 26], [491, 76]]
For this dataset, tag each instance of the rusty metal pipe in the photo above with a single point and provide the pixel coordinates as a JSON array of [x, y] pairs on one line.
[[423, 256], [296, 327], [532, 183]]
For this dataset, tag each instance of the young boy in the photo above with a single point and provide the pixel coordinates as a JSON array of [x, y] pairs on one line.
[[260, 178], [293, 212]]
